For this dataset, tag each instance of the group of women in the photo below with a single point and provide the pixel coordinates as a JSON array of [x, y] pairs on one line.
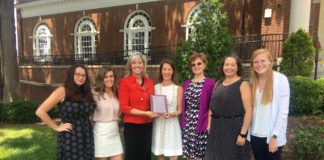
[[206, 119]]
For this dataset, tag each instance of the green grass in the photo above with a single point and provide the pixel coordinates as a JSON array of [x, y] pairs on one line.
[[27, 142]]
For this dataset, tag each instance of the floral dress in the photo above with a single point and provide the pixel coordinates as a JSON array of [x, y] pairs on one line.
[[194, 143]]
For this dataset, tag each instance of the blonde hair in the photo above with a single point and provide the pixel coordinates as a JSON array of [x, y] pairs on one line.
[[128, 68], [268, 88]]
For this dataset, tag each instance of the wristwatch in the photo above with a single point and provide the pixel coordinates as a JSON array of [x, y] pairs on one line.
[[274, 136], [243, 135]]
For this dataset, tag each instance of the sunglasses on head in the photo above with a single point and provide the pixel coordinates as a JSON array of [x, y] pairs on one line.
[[196, 64]]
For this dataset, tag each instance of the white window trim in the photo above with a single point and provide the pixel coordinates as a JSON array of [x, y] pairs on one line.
[[36, 50], [86, 20], [192, 14], [130, 30]]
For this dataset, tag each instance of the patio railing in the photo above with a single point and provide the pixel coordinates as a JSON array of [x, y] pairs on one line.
[[154, 56], [243, 47]]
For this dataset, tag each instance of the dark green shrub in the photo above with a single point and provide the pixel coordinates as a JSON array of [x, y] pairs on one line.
[[321, 84], [55, 112], [309, 142], [22, 111], [3, 112], [298, 54], [209, 35], [306, 96]]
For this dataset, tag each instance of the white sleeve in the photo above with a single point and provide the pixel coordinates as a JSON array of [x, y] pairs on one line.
[[282, 103]]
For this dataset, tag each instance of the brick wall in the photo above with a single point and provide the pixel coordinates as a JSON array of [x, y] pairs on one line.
[[166, 16], [253, 13], [314, 17], [279, 22], [37, 83]]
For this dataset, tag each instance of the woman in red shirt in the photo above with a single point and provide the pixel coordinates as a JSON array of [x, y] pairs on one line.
[[134, 98]]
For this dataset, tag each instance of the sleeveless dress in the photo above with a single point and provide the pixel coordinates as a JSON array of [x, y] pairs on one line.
[[194, 143], [227, 120], [77, 144], [166, 131]]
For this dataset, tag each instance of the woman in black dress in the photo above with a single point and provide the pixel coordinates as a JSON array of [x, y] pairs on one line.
[[230, 114], [75, 101]]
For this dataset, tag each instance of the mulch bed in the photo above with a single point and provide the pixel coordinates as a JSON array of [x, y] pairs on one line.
[[293, 123]]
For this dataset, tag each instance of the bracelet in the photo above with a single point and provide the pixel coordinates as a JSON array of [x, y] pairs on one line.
[[242, 135], [175, 113]]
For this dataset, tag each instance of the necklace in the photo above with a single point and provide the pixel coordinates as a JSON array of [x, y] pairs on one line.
[[230, 81], [196, 80]]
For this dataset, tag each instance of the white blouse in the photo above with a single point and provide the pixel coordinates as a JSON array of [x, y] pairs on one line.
[[261, 116], [279, 109]]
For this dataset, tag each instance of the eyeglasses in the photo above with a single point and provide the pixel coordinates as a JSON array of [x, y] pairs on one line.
[[80, 75], [196, 64]]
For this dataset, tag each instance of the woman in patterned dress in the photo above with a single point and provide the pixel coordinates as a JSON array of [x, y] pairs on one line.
[[195, 105], [106, 131], [166, 140], [76, 104], [271, 94], [230, 114]]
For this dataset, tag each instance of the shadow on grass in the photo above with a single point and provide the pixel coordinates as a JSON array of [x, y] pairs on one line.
[[39, 144], [18, 143]]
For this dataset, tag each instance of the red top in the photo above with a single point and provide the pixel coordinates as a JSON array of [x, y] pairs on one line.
[[133, 96]]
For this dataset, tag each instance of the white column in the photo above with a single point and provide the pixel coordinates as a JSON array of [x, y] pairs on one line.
[[320, 66], [299, 15]]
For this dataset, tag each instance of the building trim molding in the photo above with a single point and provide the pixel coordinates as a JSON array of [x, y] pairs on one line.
[[49, 7]]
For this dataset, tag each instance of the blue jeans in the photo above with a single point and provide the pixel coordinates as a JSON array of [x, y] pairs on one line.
[[260, 149]]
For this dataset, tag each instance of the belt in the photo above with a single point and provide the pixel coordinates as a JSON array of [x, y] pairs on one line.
[[227, 117]]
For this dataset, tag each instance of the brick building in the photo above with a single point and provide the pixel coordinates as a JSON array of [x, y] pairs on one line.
[[53, 34]]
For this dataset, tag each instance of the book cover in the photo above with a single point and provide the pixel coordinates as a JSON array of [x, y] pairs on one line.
[[159, 104]]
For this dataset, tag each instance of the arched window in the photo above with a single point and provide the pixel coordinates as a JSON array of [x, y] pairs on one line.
[[192, 15], [85, 39], [137, 34], [42, 43]]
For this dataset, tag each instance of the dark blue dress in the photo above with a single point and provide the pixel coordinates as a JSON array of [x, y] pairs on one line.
[[79, 143], [227, 119]]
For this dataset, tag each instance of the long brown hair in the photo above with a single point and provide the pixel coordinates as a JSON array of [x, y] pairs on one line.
[[268, 88], [75, 92], [99, 84]]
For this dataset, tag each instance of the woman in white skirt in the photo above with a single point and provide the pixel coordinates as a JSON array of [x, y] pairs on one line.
[[106, 131], [166, 141]]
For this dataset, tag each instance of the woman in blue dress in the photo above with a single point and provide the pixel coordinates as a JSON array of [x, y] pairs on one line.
[[76, 104]]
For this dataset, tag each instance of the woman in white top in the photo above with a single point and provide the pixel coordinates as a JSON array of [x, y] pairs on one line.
[[106, 131], [166, 141], [271, 95]]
